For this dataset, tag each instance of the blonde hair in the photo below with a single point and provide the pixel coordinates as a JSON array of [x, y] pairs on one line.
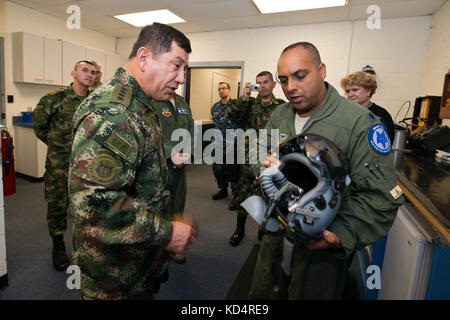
[[362, 79]]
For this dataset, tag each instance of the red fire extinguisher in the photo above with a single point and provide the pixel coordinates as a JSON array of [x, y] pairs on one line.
[[9, 174]]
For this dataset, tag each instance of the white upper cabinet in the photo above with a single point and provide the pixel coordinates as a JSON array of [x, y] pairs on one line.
[[52, 61], [28, 62], [36, 59]]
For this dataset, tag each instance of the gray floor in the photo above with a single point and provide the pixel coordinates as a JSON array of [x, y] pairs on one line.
[[211, 267]]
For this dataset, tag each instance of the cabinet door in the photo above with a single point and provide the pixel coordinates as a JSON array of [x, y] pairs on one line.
[[28, 50], [72, 53], [99, 57], [52, 61], [113, 61]]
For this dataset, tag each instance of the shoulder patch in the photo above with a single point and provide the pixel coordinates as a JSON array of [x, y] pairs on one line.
[[52, 93], [122, 94], [119, 144], [104, 168], [283, 137], [379, 139]]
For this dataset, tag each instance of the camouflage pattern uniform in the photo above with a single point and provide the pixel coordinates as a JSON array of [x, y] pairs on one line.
[[53, 125], [119, 194], [222, 122], [258, 117], [171, 118]]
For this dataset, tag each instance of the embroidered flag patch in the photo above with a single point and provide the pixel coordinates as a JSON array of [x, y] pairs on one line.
[[182, 111]]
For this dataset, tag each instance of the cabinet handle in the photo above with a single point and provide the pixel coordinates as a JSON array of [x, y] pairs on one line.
[[39, 80], [50, 81]]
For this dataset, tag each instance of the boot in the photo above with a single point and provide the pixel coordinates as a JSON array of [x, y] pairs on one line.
[[178, 257], [222, 193], [232, 204], [60, 260], [239, 233]]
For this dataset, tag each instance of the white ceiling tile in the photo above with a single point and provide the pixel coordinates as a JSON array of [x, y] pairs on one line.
[[214, 15]]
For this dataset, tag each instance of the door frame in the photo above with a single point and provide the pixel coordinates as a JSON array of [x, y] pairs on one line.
[[212, 65]]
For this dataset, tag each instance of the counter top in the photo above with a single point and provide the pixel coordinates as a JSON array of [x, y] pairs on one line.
[[426, 183], [17, 121]]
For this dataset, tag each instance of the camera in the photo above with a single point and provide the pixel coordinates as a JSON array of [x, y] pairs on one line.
[[254, 87]]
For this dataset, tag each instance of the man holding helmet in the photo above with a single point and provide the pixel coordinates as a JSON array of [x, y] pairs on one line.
[[369, 204]]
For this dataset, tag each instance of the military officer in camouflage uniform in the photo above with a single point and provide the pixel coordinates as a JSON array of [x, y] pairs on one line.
[[176, 114], [370, 203], [98, 75], [118, 179], [53, 126], [257, 112], [219, 115]]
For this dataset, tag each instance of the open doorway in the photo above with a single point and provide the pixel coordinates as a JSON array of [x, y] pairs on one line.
[[202, 80]]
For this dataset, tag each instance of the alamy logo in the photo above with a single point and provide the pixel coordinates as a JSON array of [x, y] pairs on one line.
[[74, 20], [228, 148], [374, 20], [73, 281], [374, 280]]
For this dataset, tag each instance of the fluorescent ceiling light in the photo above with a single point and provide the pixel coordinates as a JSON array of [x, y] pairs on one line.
[[140, 19], [272, 6]]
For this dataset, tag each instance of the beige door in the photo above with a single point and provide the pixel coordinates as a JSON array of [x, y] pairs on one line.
[[203, 89]]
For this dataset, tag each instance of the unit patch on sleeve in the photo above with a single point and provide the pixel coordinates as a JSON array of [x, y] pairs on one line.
[[104, 168], [379, 139]]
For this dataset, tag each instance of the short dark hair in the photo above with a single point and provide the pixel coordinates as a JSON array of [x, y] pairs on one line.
[[265, 73], [158, 38], [307, 46], [83, 61], [223, 82]]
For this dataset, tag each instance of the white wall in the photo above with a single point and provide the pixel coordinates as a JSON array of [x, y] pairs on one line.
[[438, 54], [397, 52], [14, 18]]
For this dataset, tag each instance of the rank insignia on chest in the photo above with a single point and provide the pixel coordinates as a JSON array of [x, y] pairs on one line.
[[182, 111], [166, 112], [283, 137], [379, 139]]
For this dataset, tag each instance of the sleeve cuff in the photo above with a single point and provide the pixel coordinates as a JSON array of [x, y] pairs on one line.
[[166, 232], [346, 238]]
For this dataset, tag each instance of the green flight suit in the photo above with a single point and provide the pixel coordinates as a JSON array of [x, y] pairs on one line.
[[367, 212], [119, 192], [171, 118], [52, 119]]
